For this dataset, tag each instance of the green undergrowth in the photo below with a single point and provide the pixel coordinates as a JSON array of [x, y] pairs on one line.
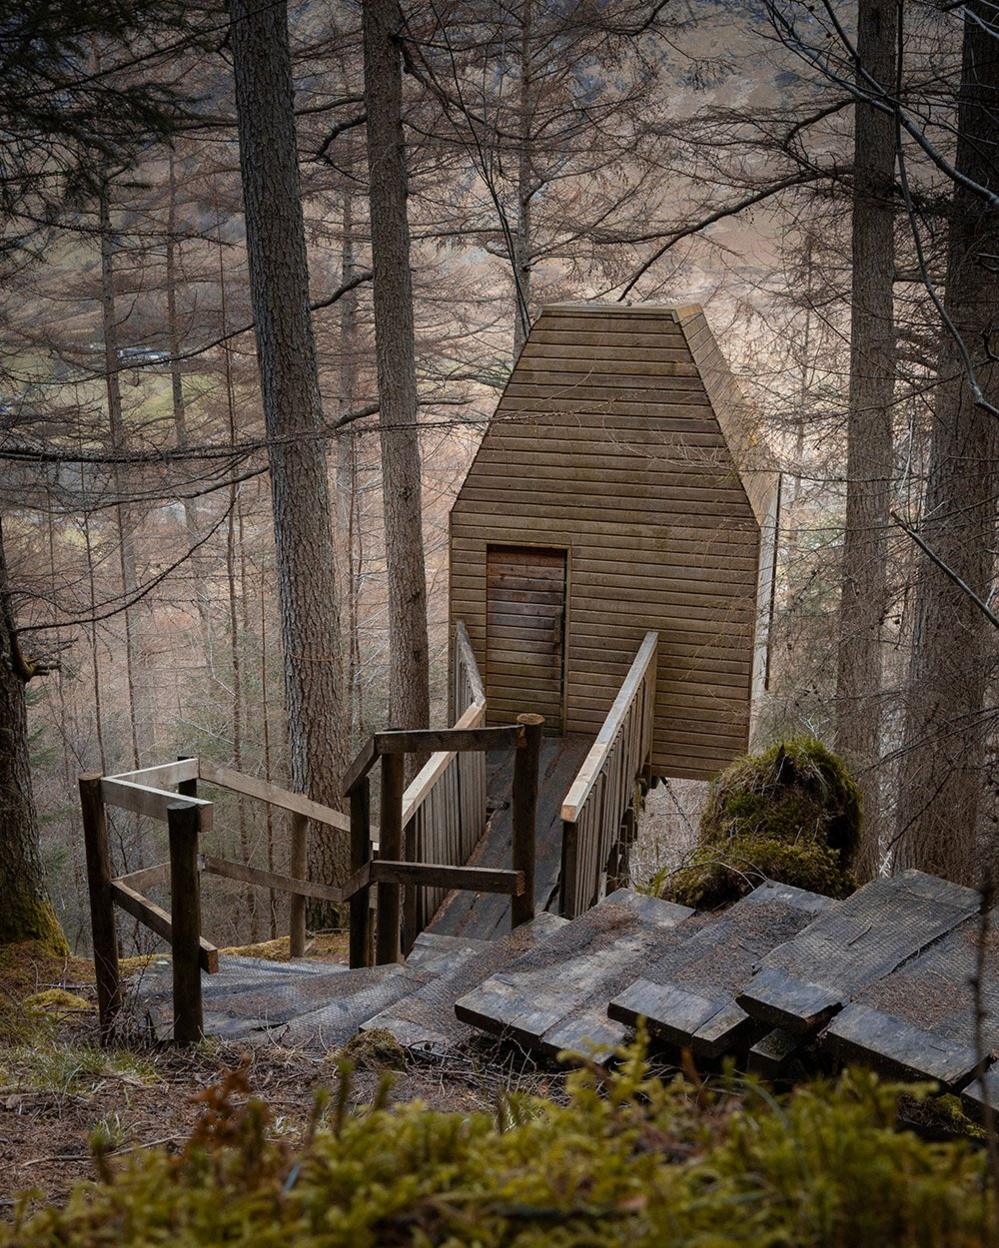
[[44, 1062], [39, 1054], [792, 813], [630, 1160]]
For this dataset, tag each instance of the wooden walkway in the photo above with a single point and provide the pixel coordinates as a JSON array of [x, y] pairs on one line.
[[883, 977], [485, 916]]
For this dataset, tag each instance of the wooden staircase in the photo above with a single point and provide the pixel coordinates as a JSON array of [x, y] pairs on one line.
[[890, 976]]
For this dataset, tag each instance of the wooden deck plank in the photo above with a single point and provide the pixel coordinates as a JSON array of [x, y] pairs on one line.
[[424, 1020], [919, 1021], [689, 997], [555, 997], [483, 916], [803, 982]]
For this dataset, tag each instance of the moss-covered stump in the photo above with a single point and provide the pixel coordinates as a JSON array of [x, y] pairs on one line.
[[625, 1162], [792, 814], [24, 916], [721, 872]]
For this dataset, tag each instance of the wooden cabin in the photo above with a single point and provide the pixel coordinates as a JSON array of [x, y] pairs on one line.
[[621, 486]]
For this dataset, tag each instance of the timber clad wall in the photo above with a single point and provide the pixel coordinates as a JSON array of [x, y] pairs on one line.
[[612, 456]]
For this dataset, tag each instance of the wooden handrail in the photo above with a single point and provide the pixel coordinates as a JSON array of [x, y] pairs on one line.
[[595, 760], [599, 811], [140, 799], [465, 662], [274, 795], [422, 784]]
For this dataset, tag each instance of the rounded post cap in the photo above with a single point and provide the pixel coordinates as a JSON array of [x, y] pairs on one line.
[[530, 720]]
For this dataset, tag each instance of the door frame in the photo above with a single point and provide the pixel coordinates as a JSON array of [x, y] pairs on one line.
[[565, 548]]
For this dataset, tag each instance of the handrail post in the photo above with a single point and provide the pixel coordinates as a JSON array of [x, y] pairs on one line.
[[525, 807], [187, 788], [298, 867], [390, 847], [102, 925], [570, 867], [360, 853], [183, 821]]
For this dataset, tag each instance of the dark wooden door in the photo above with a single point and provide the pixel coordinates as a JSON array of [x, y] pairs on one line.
[[525, 632]]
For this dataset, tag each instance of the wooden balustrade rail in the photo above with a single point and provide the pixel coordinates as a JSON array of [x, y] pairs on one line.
[[444, 807], [599, 811], [189, 820], [393, 870]]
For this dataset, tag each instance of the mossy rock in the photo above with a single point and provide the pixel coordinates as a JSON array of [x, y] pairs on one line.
[[373, 1050], [57, 1001], [722, 871], [791, 814], [795, 791]]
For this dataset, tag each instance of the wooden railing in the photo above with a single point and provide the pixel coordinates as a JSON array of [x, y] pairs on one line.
[[444, 808], [189, 820], [392, 872], [600, 810]]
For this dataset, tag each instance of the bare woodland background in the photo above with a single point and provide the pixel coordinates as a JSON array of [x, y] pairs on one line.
[[678, 153]]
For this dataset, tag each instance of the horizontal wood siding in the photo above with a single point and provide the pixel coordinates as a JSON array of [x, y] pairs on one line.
[[606, 443]]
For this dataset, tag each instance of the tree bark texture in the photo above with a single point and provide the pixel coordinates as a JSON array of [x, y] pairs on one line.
[[954, 646], [522, 240], [409, 693], [303, 537], [25, 910], [864, 597], [192, 510], [142, 726]]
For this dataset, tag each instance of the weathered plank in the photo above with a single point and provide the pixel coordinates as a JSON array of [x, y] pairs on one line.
[[919, 1021], [150, 915], [274, 795], [269, 879], [425, 1019], [429, 874], [486, 916], [803, 982], [770, 1055], [688, 997], [545, 1000]]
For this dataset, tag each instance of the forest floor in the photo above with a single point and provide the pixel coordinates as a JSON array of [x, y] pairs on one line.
[[59, 1091]]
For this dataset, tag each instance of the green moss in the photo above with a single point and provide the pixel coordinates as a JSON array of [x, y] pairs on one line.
[[723, 871], [373, 1050], [626, 1162], [57, 1001], [27, 917], [791, 814], [795, 791]]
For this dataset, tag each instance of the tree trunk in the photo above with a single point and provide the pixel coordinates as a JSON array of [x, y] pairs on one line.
[[26, 912], [192, 511], [525, 192], [409, 686], [347, 494], [141, 726], [303, 538], [864, 597], [953, 644]]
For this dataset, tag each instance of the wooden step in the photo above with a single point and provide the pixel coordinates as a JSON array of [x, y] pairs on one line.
[[555, 997], [424, 1020], [688, 996], [432, 950], [806, 980], [245, 996], [350, 1000], [919, 1021]]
